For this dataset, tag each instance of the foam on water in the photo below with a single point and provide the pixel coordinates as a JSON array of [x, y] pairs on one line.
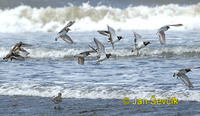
[[129, 76], [100, 92], [45, 53], [89, 18]]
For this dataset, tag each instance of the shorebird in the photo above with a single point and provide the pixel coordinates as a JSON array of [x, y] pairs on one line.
[[139, 43], [181, 74], [81, 56], [57, 100], [100, 51], [14, 56], [63, 33], [161, 32], [112, 37], [17, 53]]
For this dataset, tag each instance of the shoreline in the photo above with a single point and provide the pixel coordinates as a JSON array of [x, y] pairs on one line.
[[26, 105]]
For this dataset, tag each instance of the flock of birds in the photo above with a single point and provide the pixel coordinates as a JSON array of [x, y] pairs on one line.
[[18, 53]]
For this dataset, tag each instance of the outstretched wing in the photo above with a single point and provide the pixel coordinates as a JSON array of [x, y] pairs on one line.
[[100, 48], [106, 33], [137, 39], [68, 25], [161, 35], [93, 48], [186, 80], [25, 45], [197, 68], [175, 25], [67, 39], [112, 33]]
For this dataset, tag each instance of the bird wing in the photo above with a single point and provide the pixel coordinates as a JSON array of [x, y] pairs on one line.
[[197, 68], [106, 33], [90, 51], [186, 80], [112, 33], [22, 52], [194, 67], [67, 39], [161, 35], [137, 39], [25, 45], [68, 25], [93, 48], [175, 25], [100, 48]]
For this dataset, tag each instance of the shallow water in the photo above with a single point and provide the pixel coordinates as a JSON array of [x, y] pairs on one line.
[[52, 67], [20, 105]]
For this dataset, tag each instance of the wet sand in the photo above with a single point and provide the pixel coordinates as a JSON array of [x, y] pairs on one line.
[[24, 105]]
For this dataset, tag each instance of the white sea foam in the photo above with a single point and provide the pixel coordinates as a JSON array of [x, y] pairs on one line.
[[98, 92], [89, 18], [45, 53]]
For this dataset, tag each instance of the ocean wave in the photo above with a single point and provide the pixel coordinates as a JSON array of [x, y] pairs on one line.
[[88, 18], [45, 53], [97, 92]]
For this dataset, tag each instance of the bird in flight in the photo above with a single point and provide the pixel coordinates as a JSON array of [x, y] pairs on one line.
[[139, 43], [112, 37], [63, 33], [161, 32]]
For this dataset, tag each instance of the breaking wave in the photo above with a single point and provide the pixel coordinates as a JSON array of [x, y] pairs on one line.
[[97, 92], [88, 18], [45, 53]]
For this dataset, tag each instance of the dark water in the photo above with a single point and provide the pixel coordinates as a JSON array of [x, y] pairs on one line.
[[18, 106], [112, 3]]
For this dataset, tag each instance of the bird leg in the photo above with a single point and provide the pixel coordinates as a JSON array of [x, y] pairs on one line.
[[63, 38], [137, 52], [113, 45], [177, 76], [162, 32]]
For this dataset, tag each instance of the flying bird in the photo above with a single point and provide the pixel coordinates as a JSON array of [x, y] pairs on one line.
[[100, 51], [139, 43], [181, 74], [112, 37], [63, 33], [17, 52], [81, 56], [161, 32]]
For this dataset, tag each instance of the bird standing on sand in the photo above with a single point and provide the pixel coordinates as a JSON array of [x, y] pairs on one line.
[[161, 32], [57, 100], [139, 43], [63, 33]]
